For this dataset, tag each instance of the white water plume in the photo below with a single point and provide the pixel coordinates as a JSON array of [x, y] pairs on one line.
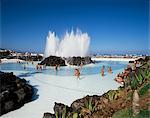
[[72, 44]]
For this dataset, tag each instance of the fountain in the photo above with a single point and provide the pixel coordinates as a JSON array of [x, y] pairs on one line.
[[72, 44], [51, 45], [74, 47]]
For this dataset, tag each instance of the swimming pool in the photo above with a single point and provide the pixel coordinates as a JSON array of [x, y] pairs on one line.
[[64, 71], [61, 86]]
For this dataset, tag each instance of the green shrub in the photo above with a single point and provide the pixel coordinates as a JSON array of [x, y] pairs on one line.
[[130, 96], [143, 114], [134, 83], [127, 113], [144, 89], [123, 113]]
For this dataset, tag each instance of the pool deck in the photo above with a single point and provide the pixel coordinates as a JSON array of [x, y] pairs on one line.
[[113, 59], [93, 58], [11, 60]]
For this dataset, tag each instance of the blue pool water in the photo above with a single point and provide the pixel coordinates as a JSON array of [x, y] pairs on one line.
[[64, 71]]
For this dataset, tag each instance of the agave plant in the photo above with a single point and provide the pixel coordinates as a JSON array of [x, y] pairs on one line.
[[134, 82], [89, 105], [75, 115], [144, 89], [112, 95], [142, 75], [139, 78], [64, 115], [56, 114], [146, 73]]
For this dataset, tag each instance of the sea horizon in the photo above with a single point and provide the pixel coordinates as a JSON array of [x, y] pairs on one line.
[[130, 52]]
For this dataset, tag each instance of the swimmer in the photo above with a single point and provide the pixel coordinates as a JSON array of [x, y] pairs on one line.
[[37, 67], [40, 67], [56, 67], [81, 65], [77, 73], [32, 62], [109, 70], [24, 67], [102, 72]]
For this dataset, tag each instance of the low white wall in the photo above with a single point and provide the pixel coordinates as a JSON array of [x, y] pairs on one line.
[[113, 59]]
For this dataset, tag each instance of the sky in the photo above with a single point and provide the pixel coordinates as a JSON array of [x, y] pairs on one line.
[[114, 26]]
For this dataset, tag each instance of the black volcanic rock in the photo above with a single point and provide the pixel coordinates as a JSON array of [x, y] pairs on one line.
[[14, 92], [77, 61], [53, 60], [4, 54], [131, 61], [49, 115], [31, 58], [60, 109]]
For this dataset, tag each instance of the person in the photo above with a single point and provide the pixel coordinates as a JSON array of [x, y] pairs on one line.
[[77, 73], [37, 67], [109, 70], [81, 65], [32, 63], [40, 67], [134, 66], [119, 79], [56, 67], [102, 72], [24, 67]]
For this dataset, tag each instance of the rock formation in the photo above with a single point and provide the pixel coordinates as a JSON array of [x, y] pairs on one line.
[[14, 92], [53, 61], [77, 61]]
